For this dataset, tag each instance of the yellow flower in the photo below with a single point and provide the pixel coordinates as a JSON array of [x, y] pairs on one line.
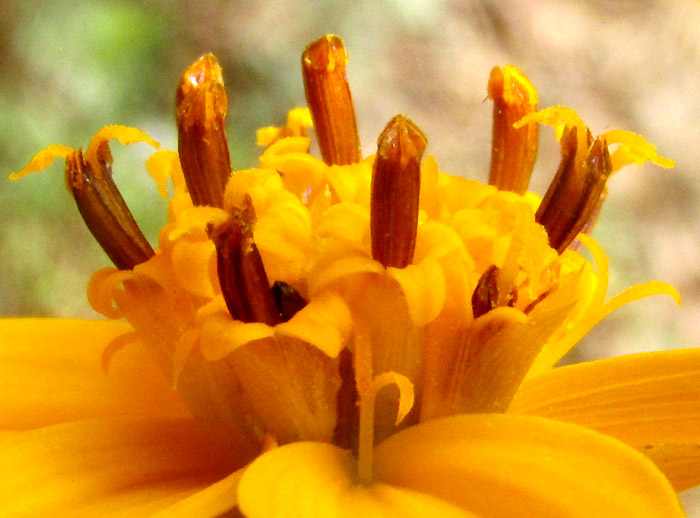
[[345, 336]]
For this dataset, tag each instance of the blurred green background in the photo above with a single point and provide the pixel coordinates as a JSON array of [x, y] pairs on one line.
[[70, 67]]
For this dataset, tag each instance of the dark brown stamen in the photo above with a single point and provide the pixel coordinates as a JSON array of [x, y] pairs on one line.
[[395, 192], [288, 300], [485, 296], [576, 192], [242, 276], [201, 106], [104, 211], [328, 96], [513, 151]]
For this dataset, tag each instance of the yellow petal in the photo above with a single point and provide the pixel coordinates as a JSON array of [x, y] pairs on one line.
[[639, 291], [283, 237], [214, 500], [458, 193], [221, 335], [577, 328], [641, 399], [101, 288], [679, 462], [634, 149], [51, 372], [158, 268], [593, 312], [385, 501], [436, 240], [298, 170], [342, 268], [194, 263], [256, 183], [124, 134], [288, 145], [351, 183], [298, 119], [381, 314], [346, 221], [558, 117], [423, 285], [42, 160], [325, 322], [485, 363], [193, 222], [165, 164], [429, 195], [291, 385], [315, 479], [498, 465], [110, 467], [180, 202]]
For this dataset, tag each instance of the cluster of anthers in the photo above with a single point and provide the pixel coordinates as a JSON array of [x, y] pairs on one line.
[[341, 299]]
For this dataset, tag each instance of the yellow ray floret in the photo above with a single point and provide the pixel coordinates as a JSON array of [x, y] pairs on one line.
[[633, 148], [42, 160], [46, 156], [298, 120]]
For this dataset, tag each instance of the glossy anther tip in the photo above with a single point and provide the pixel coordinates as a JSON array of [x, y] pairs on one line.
[[204, 71], [330, 101], [325, 54]]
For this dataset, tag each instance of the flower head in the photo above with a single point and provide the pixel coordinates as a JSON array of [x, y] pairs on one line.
[[373, 334]]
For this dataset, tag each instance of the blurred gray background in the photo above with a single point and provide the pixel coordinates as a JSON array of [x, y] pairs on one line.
[[70, 67]]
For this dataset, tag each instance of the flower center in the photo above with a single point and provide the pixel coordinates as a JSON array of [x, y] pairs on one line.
[[339, 300]]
